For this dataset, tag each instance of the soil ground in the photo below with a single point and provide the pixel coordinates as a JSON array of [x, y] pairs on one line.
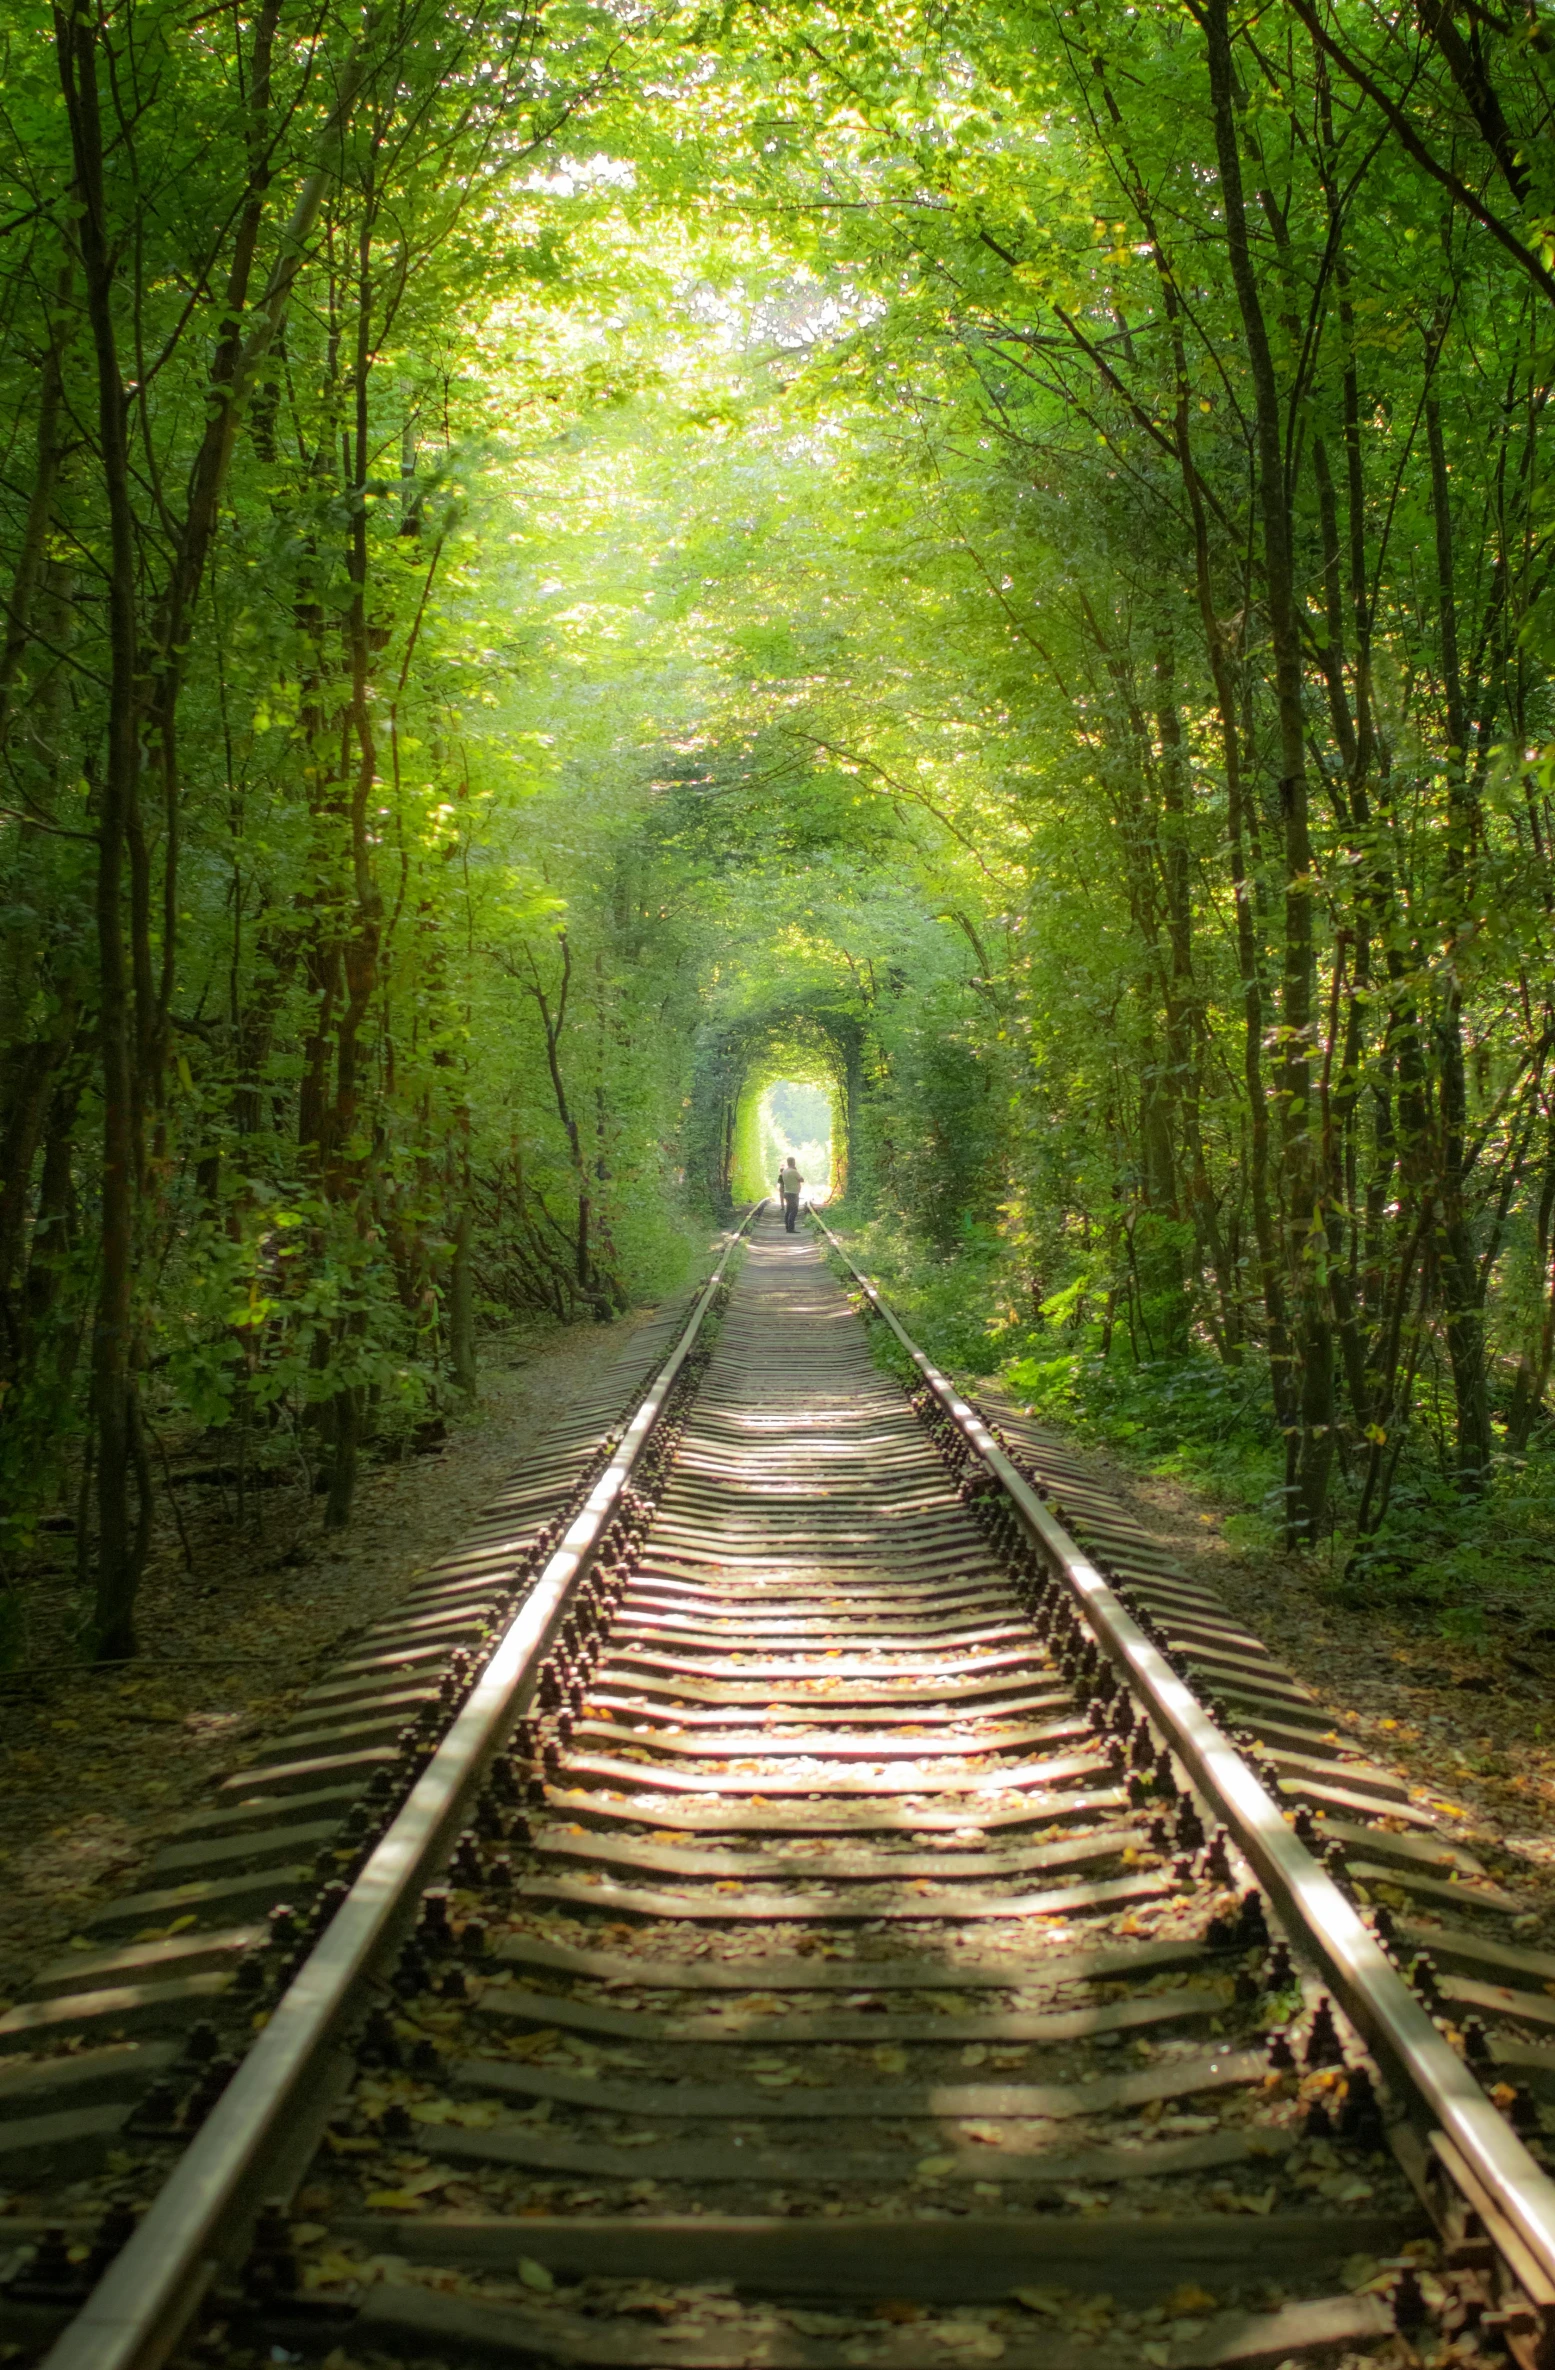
[[95, 1767]]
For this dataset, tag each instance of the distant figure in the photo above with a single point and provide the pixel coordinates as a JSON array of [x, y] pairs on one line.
[[789, 1184]]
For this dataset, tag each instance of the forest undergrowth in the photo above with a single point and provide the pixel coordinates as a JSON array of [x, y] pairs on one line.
[[1446, 1669], [1479, 1571], [239, 1617]]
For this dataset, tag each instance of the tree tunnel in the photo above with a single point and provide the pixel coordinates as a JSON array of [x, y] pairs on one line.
[[768, 1084]]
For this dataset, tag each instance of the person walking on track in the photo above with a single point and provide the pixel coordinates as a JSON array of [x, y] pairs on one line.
[[789, 1184]]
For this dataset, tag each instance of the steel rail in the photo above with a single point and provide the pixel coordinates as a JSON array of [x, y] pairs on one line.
[[1375, 1996], [145, 2300]]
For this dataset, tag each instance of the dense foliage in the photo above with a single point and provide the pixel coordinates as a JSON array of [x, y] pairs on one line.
[[560, 570]]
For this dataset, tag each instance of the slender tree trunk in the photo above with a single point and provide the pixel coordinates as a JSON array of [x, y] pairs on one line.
[[1184, 1032], [118, 1568], [1459, 1267], [1271, 1281], [40, 507], [461, 1281], [1310, 1439]]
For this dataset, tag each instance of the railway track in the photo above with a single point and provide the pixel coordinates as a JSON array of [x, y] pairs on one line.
[[854, 1916]]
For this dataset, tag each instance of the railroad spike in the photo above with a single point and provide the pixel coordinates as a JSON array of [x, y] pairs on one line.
[[156, 2112], [1190, 1827], [412, 1973], [1324, 2047], [271, 2265], [1409, 2305], [1217, 1859], [50, 2278], [1522, 2112], [466, 1869], [329, 1900], [1476, 2043], [377, 2044], [1360, 2115], [1252, 1927], [113, 2234]]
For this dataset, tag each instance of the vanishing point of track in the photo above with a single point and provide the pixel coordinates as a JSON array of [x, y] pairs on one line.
[[824, 1909]]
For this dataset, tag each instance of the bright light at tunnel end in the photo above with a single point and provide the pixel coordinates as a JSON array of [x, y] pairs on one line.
[[795, 1115]]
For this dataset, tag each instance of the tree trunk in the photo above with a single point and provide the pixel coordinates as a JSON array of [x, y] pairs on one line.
[[118, 1570], [1464, 1315], [1309, 1439]]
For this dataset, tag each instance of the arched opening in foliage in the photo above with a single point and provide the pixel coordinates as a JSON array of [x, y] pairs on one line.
[[760, 1082], [796, 1113]]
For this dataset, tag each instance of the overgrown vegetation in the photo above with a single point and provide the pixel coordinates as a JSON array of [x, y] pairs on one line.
[[559, 570]]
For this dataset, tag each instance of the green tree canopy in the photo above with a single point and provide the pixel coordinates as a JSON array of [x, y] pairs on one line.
[[561, 570]]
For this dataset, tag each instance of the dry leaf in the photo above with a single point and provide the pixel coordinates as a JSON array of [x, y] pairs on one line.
[[335, 2271], [1051, 2302], [1189, 2299]]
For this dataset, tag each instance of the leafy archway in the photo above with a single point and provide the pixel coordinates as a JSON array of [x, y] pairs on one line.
[[736, 1068]]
